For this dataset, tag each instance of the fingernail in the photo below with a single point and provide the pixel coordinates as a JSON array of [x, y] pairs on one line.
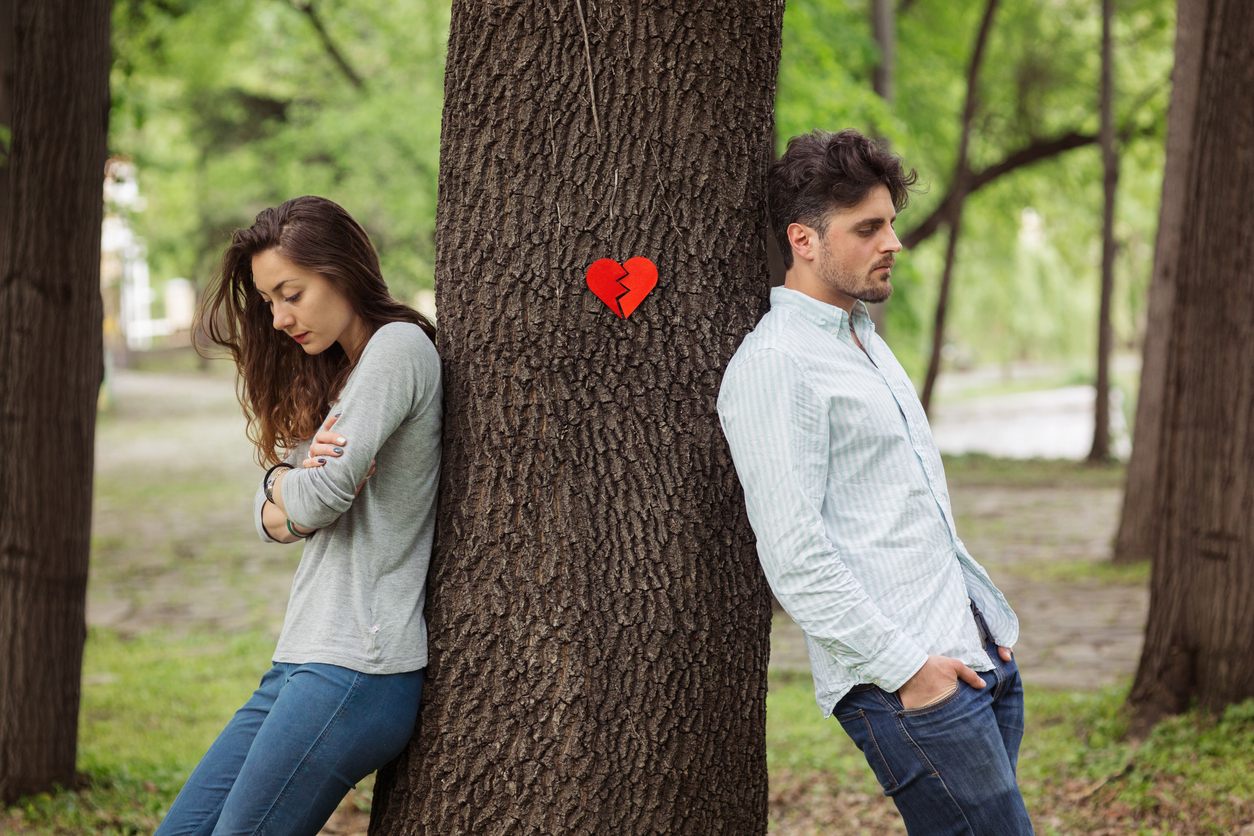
[[321, 460], [336, 415], [340, 440], [338, 451]]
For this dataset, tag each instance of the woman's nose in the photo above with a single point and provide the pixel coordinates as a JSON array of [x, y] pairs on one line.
[[282, 319]]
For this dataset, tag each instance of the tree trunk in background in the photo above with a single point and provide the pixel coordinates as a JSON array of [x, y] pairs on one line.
[[961, 188], [1100, 451], [599, 622], [1200, 638], [1138, 526], [50, 372], [884, 81]]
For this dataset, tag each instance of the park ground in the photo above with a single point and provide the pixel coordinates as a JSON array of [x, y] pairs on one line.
[[185, 602]]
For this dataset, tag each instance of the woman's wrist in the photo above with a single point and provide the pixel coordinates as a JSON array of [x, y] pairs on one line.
[[299, 531]]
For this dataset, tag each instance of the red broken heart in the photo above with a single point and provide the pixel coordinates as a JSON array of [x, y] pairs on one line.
[[622, 287]]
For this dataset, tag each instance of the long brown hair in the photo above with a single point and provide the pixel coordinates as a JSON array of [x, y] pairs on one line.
[[284, 392]]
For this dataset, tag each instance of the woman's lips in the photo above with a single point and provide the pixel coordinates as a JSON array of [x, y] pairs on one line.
[[300, 338]]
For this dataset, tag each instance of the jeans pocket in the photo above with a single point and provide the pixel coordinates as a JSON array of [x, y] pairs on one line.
[[932, 706], [858, 727]]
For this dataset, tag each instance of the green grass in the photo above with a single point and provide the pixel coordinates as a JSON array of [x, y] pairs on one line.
[[982, 469], [1078, 769], [1079, 571], [151, 706]]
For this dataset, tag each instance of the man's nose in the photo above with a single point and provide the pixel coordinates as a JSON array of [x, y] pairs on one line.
[[892, 245]]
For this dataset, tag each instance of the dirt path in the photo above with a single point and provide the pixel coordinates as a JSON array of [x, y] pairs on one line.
[[174, 546]]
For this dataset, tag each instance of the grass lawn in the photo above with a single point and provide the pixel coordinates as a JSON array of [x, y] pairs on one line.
[[152, 704]]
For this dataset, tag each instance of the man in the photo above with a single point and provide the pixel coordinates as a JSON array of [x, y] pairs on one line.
[[909, 640]]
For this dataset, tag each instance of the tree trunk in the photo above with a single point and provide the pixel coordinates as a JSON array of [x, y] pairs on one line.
[[1100, 451], [50, 372], [942, 306], [884, 81], [599, 623], [1200, 636], [1138, 526], [961, 187]]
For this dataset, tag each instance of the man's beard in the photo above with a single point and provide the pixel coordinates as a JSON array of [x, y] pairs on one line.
[[864, 288]]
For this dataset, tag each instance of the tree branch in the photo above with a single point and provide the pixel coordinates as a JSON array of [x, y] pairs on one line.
[[1035, 152], [310, 12]]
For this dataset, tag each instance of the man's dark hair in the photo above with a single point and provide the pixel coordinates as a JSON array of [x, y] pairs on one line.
[[823, 171]]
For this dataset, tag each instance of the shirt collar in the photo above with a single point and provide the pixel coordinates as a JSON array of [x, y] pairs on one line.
[[828, 317]]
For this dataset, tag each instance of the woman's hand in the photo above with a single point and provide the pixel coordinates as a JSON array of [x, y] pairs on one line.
[[325, 444], [328, 444]]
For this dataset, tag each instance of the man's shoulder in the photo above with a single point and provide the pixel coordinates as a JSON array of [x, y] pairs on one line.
[[776, 337]]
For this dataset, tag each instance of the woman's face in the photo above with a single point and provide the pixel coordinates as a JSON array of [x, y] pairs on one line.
[[307, 307]]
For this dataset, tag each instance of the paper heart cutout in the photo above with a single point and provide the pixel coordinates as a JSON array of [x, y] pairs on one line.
[[622, 287]]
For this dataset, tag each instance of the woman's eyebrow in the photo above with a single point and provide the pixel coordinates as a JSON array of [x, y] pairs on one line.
[[274, 289]]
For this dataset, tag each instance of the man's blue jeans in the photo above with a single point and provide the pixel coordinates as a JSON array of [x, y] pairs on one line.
[[287, 758], [948, 766]]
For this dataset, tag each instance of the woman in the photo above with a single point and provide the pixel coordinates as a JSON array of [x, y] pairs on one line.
[[347, 381]]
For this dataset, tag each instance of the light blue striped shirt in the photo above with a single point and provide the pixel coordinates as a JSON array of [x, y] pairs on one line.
[[846, 493]]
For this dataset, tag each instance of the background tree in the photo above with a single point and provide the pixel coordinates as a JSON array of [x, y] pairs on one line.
[[1100, 451], [54, 97], [599, 623], [1200, 635], [961, 181]]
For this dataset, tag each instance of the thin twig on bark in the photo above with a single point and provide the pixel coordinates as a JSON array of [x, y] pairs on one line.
[[587, 51]]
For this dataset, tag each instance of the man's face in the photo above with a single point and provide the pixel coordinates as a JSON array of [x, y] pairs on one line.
[[855, 256]]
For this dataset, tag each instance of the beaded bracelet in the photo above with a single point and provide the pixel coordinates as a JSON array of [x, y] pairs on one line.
[[266, 487]]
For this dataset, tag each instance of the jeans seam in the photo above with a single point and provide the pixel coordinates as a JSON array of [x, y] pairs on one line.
[[339, 710], [875, 743], [935, 772]]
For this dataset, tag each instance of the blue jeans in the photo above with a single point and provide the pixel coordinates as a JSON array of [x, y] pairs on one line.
[[949, 766], [286, 759]]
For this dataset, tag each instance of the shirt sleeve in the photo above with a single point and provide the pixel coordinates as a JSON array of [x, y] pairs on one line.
[[777, 428], [396, 373], [1001, 619]]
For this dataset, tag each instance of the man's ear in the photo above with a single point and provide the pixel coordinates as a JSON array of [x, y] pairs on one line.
[[804, 241]]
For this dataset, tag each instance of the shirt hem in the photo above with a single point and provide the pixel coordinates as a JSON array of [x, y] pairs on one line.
[[351, 662]]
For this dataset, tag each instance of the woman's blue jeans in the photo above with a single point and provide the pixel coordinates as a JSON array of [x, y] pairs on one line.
[[286, 759], [948, 766]]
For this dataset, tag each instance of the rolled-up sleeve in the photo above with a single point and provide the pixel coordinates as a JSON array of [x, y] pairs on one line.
[[777, 427], [390, 380]]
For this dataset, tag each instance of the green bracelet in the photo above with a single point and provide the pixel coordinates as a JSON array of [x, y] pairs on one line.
[[294, 534]]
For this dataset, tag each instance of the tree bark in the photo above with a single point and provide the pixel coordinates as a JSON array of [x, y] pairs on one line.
[[961, 187], [1138, 525], [1200, 636], [599, 624], [1100, 451], [50, 373]]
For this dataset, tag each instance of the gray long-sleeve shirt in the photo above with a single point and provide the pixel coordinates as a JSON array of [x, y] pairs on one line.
[[358, 594]]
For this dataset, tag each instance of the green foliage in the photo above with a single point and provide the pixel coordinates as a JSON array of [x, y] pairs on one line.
[[229, 106], [1027, 277]]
